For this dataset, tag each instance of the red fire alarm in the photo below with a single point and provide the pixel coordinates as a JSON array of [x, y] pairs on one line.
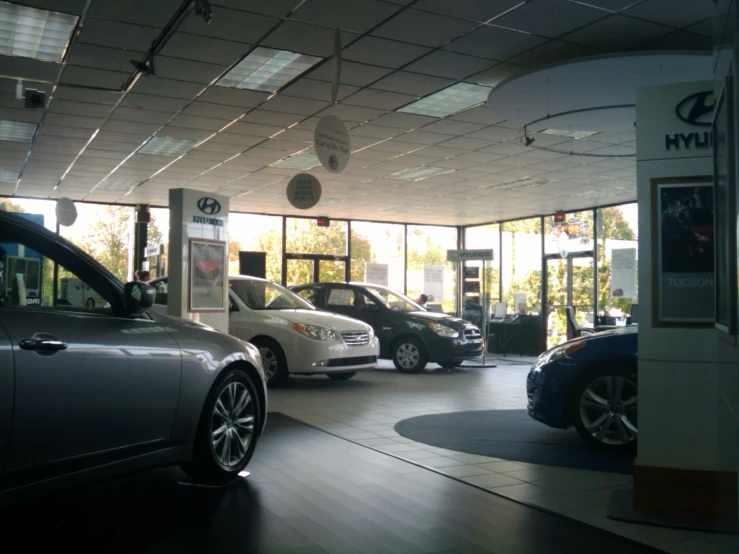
[[323, 222], [559, 217]]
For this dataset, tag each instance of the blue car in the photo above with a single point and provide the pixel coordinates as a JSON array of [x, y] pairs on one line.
[[591, 383]]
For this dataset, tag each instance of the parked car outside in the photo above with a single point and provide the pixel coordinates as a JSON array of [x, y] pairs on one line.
[[292, 336], [409, 334], [89, 390], [591, 383]]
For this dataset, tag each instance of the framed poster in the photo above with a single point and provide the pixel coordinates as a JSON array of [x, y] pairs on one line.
[[724, 185], [207, 276], [683, 248]]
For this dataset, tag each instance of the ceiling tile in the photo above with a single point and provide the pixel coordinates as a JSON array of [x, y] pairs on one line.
[[130, 127], [495, 75], [476, 10], [140, 12], [112, 59], [375, 131], [422, 137], [233, 97], [253, 129], [616, 33], [204, 49], [355, 74], [303, 38], [382, 52], [448, 64], [379, 99], [29, 69], [265, 117], [202, 123], [141, 116], [187, 70], [669, 12], [550, 18], [350, 15], [494, 43], [166, 87], [425, 28], [218, 111], [150, 102], [233, 25], [452, 127], [288, 104], [677, 40], [315, 90], [117, 35], [479, 114], [276, 8], [75, 108], [704, 28], [412, 83], [354, 114], [553, 52], [94, 77], [403, 120]]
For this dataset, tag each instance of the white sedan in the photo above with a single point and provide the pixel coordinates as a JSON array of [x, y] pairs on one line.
[[292, 336]]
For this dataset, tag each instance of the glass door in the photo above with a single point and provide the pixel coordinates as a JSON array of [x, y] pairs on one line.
[[301, 269], [331, 270], [570, 281], [299, 272]]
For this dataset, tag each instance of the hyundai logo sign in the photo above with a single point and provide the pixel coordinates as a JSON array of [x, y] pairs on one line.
[[696, 109], [209, 206]]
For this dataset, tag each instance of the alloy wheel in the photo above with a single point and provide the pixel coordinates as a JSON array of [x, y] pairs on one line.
[[233, 425], [407, 355], [269, 361], [608, 410]]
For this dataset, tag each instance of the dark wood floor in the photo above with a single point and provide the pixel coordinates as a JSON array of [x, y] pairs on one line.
[[309, 492]]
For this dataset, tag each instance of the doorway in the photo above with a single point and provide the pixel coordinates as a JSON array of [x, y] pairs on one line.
[[568, 281], [301, 269]]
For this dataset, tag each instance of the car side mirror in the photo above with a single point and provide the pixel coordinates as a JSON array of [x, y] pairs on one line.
[[369, 308], [138, 296]]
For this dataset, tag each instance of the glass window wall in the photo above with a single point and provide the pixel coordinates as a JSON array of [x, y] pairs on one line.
[[428, 272], [382, 245], [617, 279], [304, 236], [256, 233], [521, 266]]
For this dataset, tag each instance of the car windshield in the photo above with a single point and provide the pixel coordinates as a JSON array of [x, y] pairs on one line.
[[395, 300], [263, 295]]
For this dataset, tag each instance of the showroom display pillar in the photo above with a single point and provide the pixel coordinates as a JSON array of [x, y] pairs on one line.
[[198, 257], [140, 237], [685, 472]]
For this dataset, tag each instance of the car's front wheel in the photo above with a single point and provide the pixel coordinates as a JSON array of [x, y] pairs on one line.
[[227, 432], [274, 362], [604, 408], [409, 355]]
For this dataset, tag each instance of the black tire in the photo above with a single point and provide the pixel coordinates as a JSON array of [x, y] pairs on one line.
[[448, 365], [602, 419], [271, 351], [403, 355], [205, 466], [342, 376]]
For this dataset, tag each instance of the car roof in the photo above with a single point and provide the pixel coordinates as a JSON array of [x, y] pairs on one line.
[[230, 278]]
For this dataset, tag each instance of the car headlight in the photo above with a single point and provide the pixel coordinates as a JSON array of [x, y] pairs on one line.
[[371, 333], [443, 330], [559, 352], [315, 332]]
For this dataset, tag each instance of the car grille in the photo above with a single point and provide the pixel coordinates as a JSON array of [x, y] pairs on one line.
[[359, 360], [472, 333], [355, 338]]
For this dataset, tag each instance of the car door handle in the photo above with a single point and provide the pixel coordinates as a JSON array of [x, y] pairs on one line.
[[42, 344]]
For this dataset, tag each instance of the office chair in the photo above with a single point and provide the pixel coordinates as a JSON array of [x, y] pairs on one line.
[[573, 327]]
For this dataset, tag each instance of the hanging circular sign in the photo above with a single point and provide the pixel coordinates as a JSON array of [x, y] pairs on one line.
[[303, 191], [66, 212], [332, 143], [563, 241]]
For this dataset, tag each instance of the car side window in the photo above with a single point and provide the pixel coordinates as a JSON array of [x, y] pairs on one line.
[[27, 281], [310, 294], [340, 298], [361, 300]]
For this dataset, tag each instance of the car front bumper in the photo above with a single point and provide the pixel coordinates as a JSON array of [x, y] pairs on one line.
[[317, 357], [454, 350], [546, 402]]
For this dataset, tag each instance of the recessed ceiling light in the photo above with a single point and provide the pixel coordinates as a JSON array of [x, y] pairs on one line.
[[449, 101], [418, 173], [117, 184], [569, 134], [267, 70], [517, 184], [17, 131], [33, 33], [298, 161], [7, 176], [231, 193], [166, 146]]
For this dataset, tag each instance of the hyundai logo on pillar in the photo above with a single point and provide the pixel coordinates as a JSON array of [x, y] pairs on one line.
[[696, 109], [209, 206]]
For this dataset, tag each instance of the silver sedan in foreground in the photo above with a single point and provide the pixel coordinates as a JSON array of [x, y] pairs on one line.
[[94, 383]]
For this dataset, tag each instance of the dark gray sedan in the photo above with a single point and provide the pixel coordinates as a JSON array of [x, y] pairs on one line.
[[94, 383]]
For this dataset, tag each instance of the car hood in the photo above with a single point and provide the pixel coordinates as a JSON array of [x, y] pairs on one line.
[[628, 330], [428, 317], [324, 319]]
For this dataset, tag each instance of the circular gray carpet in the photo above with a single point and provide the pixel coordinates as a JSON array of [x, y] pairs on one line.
[[511, 435]]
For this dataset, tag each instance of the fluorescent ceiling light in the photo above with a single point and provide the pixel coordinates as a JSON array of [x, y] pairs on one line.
[[117, 184], [17, 131], [7, 176], [449, 101], [518, 184], [231, 193], [166, 146], [569, 134], [299, 161], [267, 70], [33, 33], [418, 173]]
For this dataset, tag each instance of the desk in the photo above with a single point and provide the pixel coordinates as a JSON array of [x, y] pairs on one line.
[[522, 335]]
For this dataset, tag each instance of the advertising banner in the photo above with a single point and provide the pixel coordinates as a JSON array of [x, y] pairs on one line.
[[433, 282], [623, 273], [377, 274]]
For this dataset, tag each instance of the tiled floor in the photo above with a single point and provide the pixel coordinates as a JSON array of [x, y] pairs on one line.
[[366, 408]]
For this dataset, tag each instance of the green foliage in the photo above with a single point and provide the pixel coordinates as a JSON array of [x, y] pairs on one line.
[[106, 236]]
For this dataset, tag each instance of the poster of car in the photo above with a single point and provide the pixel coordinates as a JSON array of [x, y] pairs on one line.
[[684, 268], [207, 276]]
